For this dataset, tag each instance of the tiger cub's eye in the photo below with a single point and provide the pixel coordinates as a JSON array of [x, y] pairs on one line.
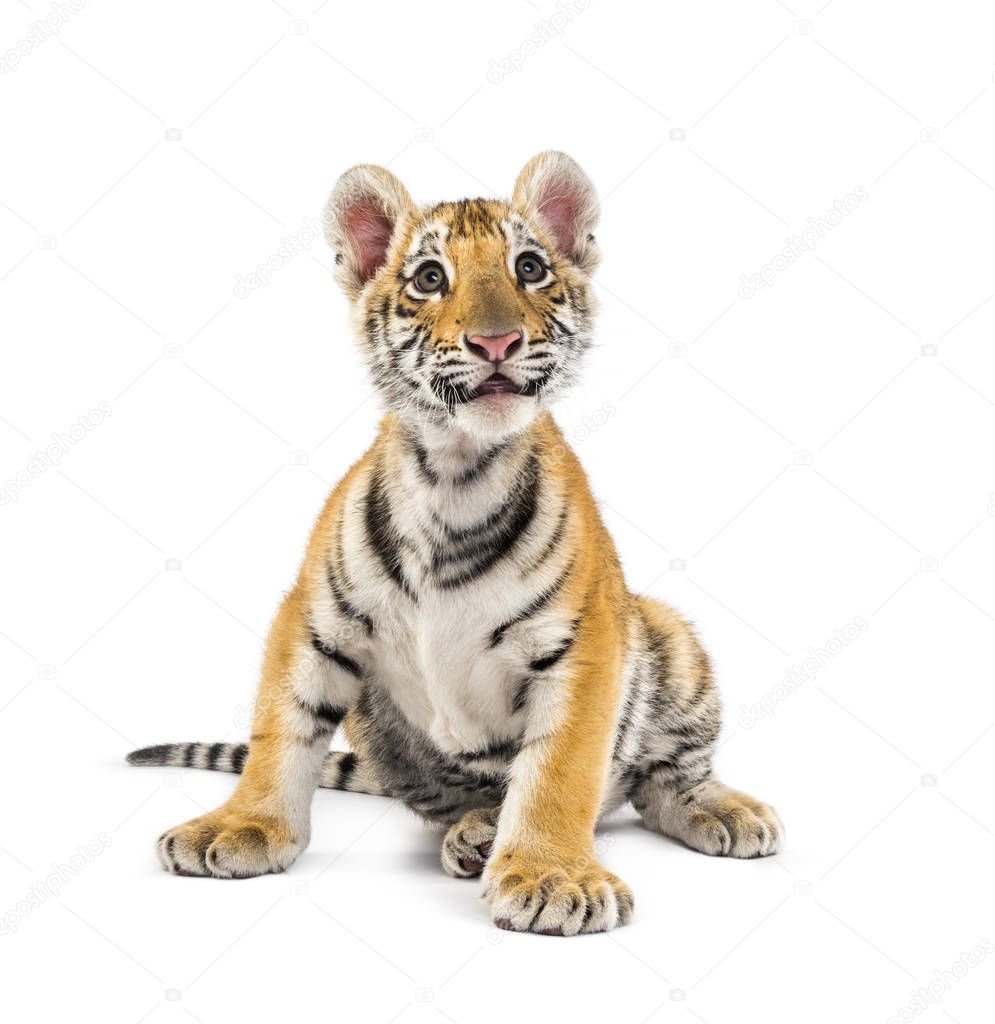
[[430, 278], [529, 268]]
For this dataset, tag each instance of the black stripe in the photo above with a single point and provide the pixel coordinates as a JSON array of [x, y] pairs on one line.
[[502, 748], [536, 605], [422, 354], [447, 392], [213, 755], [161, 754], [340, 659], [421, 457], [347, 767], [331, 716], [687, 748], [565, 331], [188, 754], [381, 534], [548, 660], [344, 605], [625, 718], [658, 644], [471, 779], [327, 715], [521, 698], [471, 534], [703, 684], [636, 775], [336, 569], [504, 533], [554, 540], [481, 465], [396, 357], [238, 757]]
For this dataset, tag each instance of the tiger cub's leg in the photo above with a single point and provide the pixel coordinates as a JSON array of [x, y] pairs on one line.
[[303, 695], [676, 792], [708, 816], [543, 875], [469, 842]]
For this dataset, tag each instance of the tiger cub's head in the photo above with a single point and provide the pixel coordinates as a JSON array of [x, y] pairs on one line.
[[471, 314]]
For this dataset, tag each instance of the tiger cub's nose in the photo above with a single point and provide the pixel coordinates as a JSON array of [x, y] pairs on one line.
[[494, 349]]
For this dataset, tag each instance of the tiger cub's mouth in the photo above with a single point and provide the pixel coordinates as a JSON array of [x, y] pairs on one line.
[[497, 384]]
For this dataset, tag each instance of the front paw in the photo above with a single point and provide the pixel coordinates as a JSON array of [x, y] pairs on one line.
[[227, 845], [536, 894]]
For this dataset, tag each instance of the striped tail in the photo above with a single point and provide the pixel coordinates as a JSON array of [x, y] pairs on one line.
[[341, 770]]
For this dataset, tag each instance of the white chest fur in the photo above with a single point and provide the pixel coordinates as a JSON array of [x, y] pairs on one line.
[[451, 657], [449, 664], [438, 666]]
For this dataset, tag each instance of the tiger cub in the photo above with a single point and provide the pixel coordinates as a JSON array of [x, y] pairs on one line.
[[461, 608]]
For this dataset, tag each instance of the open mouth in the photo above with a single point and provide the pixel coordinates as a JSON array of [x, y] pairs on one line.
[[497, 384]]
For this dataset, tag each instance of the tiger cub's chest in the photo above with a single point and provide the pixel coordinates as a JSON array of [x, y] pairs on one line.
[[444, 671]]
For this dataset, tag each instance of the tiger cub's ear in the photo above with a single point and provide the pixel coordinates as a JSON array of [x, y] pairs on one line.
[[553, 190], [366, 206]]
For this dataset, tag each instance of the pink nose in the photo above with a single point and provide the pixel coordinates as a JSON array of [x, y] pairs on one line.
[[497, 348]]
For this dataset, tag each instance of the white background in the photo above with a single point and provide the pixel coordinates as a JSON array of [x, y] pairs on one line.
[[777, 465]]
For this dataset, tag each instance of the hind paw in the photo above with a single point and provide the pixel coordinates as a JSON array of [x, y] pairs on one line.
[[726, 823], [469, 842]]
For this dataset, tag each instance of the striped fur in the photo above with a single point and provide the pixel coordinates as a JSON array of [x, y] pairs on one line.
[[461, 609], [342, 770]]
